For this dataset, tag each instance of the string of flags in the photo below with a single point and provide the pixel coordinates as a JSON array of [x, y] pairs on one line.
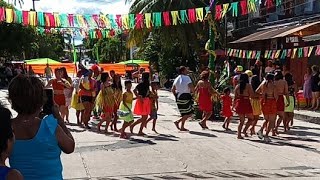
[[129, 21], [300, 52], [108, 21]]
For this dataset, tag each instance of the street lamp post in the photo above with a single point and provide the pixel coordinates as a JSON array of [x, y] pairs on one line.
[[34, 4]]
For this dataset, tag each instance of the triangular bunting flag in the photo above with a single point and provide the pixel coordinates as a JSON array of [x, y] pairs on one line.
[[277, 54], [284, 54], [305, 51], [294, 52], [310, 50]]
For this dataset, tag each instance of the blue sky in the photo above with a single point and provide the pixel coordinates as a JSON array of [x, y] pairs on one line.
[[79, 6]]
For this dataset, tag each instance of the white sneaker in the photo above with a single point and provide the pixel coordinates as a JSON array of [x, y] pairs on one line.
[[260, 135]]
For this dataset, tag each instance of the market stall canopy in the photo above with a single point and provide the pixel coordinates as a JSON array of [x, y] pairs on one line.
[[139, 62], [42, 61], [276, 32]]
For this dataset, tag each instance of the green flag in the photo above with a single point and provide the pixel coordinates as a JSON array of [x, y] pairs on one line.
[[74, 54]]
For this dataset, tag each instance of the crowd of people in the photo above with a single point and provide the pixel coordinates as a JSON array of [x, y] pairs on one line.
[[273, 96], [100, 93]]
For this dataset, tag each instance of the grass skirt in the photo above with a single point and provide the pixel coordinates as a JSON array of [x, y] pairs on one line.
[[75, 102]]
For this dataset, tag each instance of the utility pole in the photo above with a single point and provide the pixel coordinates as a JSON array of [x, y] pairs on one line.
[[34, 4], [212, 47]]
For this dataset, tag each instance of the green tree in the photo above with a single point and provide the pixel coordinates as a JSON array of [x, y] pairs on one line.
[[186, 40], [186, 34], [15, 2], [110, 50], [18, 42], [5, 4]]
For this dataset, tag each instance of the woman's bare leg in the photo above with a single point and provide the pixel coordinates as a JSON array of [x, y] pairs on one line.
[[254, 123], [242, 119], [183, 121], [143, 122], [134, 124]]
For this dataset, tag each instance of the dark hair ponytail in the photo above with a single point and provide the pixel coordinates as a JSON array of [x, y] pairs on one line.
[[244, 80]]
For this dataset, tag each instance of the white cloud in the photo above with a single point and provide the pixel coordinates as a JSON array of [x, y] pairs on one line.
[[79, 6]]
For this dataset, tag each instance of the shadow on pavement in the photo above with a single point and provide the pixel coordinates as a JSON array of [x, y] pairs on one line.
[[303, 133], [224, 131], [281, 143], [76, 130], [296, 139], [304, 128], [164, 137], [201, 134]]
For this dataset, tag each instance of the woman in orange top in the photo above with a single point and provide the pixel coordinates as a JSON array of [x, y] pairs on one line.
[[58, 84], [87, 94]]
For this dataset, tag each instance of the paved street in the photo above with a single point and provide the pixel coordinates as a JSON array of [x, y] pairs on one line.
[[198, 154]]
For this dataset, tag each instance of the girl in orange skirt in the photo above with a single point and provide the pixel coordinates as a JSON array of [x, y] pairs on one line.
[[269, 105], [105, 101], [243, 93], [143, 103]]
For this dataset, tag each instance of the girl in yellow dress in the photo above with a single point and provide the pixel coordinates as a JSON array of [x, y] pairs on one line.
[[75, 101], [256, 105], [126, 109], [105, 101]]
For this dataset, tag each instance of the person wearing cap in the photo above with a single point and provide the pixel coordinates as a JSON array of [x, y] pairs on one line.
[[238, 72], [249, 73]]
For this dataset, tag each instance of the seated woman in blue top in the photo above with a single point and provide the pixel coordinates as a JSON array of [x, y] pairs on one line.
[[39, 140], [6, 143]]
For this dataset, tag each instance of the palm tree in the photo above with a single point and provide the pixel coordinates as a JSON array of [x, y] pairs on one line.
[[21, 2], [187, 35]]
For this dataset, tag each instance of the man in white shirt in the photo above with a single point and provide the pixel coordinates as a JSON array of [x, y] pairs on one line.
[[182, 89]]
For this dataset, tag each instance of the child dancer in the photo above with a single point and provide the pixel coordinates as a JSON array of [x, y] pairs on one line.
[[105, 101], [143, 105], [226, 108], [154, 105], [289, 110], [6, 145], [126, 107], [117, 89]]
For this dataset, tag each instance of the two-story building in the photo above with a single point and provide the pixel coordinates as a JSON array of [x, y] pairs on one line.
[[294, 24]]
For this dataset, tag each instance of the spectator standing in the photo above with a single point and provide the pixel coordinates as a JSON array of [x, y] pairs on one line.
[[307, 92], [315, 88], [39, 141]]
